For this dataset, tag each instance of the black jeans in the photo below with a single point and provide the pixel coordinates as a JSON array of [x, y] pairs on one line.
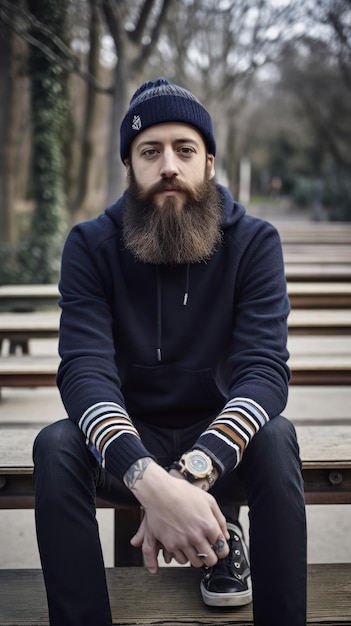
[[67, 479]]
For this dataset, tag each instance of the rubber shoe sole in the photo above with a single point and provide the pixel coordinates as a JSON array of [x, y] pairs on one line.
[[238, 598]]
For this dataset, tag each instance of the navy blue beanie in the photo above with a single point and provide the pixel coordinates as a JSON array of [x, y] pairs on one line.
[[158, 101]]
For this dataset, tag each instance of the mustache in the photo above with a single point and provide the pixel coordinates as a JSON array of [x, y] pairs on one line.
[[165, 184]]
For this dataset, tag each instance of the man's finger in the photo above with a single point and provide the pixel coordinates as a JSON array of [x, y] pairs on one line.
[[150, 549]]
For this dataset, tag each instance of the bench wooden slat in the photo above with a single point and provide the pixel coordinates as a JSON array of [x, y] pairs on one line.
[[313, 369], [28, 371], [171, 597], [313, 232], [32, 297], [307, 369], [321, 446], [325, 450], [21, 326], [319, 295], [327, 256], [321, 345], [323, 272], [28, 297], [33, 324], [321, 321]]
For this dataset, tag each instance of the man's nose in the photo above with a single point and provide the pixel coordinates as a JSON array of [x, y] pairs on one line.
[[169, 166]]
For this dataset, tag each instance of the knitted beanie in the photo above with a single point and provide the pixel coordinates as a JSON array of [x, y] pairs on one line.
[[158, 101]]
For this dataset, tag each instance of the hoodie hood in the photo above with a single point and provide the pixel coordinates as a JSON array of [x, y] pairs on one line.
[[232, 210]]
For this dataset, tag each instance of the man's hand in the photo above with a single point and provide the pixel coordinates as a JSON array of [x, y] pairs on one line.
[[179, 518]]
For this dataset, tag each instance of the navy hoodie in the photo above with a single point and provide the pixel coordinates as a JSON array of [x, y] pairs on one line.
[[173, 345]]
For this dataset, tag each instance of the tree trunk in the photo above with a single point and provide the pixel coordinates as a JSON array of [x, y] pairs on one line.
[[49, 114], [120, 102], [90, 185], [10, 50]]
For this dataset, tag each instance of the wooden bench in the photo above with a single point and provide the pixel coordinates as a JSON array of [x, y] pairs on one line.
[[307, 369], [319, 295], [317, 253], [35, 325], [312, 232], [171, 597], [28, 371], [315, 272], [24, 298], [325, 453], [319, 322]]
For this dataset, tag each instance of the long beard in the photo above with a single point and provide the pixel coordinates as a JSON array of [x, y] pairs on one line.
[[167, 234]]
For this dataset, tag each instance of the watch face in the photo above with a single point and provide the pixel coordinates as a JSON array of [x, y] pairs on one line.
[[197, 464]]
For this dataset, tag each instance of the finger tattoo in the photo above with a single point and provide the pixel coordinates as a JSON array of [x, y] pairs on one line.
[[218, 546]]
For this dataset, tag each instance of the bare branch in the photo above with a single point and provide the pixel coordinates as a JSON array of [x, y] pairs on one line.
[[113, 12], [137, 34], [146, 50], [66, 60]]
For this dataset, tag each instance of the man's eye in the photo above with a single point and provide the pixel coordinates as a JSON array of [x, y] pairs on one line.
[[150, 152], [186, 150]]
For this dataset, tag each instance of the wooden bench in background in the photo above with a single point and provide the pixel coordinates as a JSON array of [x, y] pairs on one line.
[[22, 327], [24, 298], [40, 371], [303, 232], [315, 360], [21, 299], [19, 326], [319, 295], [317, 272]]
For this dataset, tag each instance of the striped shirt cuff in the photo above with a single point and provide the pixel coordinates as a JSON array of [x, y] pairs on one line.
[[229, 434]]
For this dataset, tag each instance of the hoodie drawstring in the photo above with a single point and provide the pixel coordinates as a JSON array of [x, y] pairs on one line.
[[159, 315], [159, 306], [186, 294]]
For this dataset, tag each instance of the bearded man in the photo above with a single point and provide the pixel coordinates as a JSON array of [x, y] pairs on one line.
[[174, 376]]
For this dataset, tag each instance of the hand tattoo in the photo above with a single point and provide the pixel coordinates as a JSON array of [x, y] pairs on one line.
[[218, 546], [136, 472]]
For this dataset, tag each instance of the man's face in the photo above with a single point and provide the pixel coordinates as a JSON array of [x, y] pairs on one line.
[[167, 159], [172, 212]]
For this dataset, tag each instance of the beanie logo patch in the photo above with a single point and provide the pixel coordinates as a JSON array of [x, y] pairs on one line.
[[136, 123]]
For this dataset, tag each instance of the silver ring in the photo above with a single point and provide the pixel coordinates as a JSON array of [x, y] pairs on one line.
[[202, 555]]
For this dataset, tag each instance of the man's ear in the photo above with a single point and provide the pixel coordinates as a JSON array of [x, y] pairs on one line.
[[210, 166], [127, 170]]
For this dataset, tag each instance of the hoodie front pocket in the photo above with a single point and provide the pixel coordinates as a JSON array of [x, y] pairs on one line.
[[171, 394]]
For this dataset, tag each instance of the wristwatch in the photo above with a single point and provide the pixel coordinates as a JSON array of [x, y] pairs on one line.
[[195, 465]]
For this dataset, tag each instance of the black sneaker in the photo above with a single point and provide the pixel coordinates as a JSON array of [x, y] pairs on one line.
[[228, 583]]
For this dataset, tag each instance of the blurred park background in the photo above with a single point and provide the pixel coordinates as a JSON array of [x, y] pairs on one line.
[[275, 75]]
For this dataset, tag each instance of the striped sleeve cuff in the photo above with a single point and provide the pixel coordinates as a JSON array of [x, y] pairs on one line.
[[104, 423], [228, 435]]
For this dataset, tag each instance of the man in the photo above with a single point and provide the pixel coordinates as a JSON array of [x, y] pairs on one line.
[[173, 374]]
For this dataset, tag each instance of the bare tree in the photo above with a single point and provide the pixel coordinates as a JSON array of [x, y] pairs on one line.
[[91, 162], [12, 59], [135, 28], [216, 49]]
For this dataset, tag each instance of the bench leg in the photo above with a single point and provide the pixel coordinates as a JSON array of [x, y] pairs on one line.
[[23, 344], [127, 521]]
